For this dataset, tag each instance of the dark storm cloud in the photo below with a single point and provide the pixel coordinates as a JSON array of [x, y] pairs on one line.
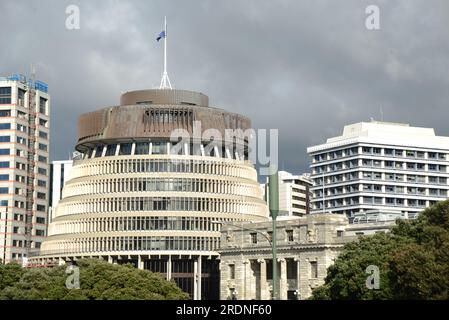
[[304, 67]]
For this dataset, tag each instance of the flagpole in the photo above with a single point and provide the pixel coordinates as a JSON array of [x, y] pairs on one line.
[[165, 46], [165, 81]]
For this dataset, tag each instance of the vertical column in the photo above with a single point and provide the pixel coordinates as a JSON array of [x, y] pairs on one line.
[[139, 262], [298, 278], [110, 260], [195, 280], [283, 279], [264, 294], [169, 266], [199, 277]]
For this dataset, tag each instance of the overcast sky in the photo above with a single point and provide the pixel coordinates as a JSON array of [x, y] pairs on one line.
[[306, 68]]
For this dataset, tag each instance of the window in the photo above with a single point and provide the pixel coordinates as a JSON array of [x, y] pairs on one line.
[[40, 207], [42, 105], [42, 122], [4, 190], [313, 269], [232, 271], [21, 127], [110, 149], [4, 152], [40, 220], [339, 233], [21, 97], [4, 164], [40, 233], [42, 159], [289, 235], [5, 96], [42, 147], [4, 177], [142, 148], [42, 171], [5, 126], [43, 135], [21, 140], [41, 195], [292, 269], [125, 148], [41, 183], [253, 238]]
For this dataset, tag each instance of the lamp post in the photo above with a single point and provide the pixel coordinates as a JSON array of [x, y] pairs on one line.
[[273, 201]]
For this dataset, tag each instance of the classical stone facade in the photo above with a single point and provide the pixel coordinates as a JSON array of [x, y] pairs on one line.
[[307, 246]]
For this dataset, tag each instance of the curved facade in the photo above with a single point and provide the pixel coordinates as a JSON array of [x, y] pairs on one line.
[[138, 196]]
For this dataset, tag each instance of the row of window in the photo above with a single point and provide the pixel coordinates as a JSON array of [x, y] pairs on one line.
[[159, 204], [174, 165], [160, 184], [376, 151], [22, 128], [147, 148], [291, 269], [369, 175], [378, 188], [21, 166], [387, 164], [137, 223], [350, 201], [134, 243]]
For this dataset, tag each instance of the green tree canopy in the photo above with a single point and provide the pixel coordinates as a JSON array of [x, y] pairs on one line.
[[98, 280], [413, 261]]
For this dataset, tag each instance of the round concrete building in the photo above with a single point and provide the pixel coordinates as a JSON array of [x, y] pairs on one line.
[[138, 195]]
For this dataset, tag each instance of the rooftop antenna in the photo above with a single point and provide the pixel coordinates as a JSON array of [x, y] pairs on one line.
[[33, 72], [165, 81]]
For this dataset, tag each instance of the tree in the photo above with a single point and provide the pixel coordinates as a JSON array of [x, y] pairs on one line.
[[413, 261], [99, 280]]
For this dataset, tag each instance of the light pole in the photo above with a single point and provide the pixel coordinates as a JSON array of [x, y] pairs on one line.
[[273, 199]]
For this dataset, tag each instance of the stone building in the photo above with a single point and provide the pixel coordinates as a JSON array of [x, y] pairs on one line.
[[306, 247]]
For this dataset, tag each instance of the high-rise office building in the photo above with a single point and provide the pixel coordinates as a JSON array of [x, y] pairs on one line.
[[24, 168], [135, 197], [294, 194], [59, 175], [380, 166]]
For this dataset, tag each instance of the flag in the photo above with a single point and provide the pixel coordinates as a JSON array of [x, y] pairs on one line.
[[161, 35]]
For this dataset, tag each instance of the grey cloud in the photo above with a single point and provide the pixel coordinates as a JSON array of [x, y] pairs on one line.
[[304, 67]]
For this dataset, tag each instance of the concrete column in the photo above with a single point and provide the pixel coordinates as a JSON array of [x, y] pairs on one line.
[[110, 260], [283, 279], [199, 277], [139, 262], [169, 268], [298, 276], [195, 280], [264, 293]]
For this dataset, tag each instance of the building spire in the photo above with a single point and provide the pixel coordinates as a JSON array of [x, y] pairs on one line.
[[165, 81]]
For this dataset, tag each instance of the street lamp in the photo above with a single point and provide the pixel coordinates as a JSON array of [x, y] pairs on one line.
[[297, 294]]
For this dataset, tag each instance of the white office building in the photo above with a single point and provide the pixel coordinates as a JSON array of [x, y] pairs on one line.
[[380, 166], [59, 175], [294, 194]]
